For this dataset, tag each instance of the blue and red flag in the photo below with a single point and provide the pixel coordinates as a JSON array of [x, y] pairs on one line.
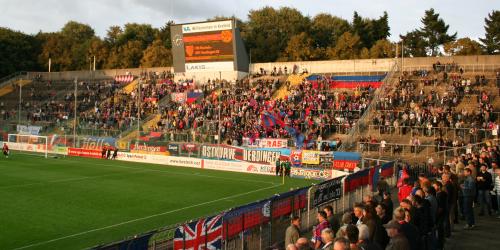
[[355, 180], [387, 169], [203, 234], [374, 177], [270, 120], [193, 96]]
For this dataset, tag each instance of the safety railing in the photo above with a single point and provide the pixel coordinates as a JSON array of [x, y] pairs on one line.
[[469, 134]]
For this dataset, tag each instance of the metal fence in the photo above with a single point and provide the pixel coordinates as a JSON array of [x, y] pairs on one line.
[[262, 224], [469, 134]]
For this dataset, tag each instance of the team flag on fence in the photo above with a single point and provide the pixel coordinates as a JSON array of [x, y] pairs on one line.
[[355, 180], [245, 217], [204, 234], [387, 169], [374, 177]]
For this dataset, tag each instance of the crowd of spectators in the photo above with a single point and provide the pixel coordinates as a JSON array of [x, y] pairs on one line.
[[430, 206], [412, 109], [313, 111]]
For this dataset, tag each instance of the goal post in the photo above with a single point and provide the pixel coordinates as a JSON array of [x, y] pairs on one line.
[[29, 143]]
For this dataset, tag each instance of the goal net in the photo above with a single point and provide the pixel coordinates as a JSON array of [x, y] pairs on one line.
[[33, 144]]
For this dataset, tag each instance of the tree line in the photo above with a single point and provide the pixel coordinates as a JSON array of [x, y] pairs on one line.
[[269, 34]]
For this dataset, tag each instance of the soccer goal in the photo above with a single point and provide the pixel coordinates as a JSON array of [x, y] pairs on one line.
[[35, 144]]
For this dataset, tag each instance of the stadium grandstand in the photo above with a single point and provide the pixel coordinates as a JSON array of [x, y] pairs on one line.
[[215, 151]]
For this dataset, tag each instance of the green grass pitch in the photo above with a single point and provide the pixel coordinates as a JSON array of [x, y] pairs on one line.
[[76, 203]]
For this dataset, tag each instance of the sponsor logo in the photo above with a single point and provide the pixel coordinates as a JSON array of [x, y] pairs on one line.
[[267, 169], [177, 40], [146, 148], [311, 173], [218, 152], [261, 156], [252, 168]]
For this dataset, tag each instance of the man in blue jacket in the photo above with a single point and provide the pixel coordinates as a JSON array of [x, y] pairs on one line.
[[469, 191]]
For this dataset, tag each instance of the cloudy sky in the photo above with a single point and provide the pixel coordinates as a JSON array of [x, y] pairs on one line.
[[464, 16]]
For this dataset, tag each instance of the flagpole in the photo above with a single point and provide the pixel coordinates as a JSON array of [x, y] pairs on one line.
[[283, 174]]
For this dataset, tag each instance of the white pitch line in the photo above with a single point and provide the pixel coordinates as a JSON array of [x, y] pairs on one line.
[[142, 218]]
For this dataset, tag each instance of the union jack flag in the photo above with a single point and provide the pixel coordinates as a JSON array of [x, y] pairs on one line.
[[204, 234]]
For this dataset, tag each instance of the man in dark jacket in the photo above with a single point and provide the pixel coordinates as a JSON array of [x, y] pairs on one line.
[[468, 191], [442, 212], [484, 184], [334, 222], [451, 192], [409, 230]]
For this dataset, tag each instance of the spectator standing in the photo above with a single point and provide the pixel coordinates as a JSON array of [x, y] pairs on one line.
[[334, 222], [442, 212], [322, 224], [387, 201], [327, 238], [346, 221], [398, 240], [352, 234], [496, 188], [405, 190], [364, 241], [469, 192], [484, 186], [341, 244], [384, 219], [293, 231], [409, 230], [452, 201]]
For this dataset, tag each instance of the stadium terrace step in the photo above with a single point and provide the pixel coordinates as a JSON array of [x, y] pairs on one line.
[[9, 88], [131, 87], [294, 80]]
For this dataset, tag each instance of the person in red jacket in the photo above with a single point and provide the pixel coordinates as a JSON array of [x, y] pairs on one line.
[[405, 189], [5, 150]]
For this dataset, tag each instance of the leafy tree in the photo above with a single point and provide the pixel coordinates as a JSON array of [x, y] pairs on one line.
[[370, 30], [100, 50], [491, 41], [347, 47], [75, 31], [299, 48], [413, 43], [463, 47], [113, 34], [382, 49], [156, 55], [326, 29], [18, 51], [164, 34], [435, 32], [364, 54], [268, 31], [143, 33]]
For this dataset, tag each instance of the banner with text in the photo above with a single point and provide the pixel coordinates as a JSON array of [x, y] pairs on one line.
[[265, 142]]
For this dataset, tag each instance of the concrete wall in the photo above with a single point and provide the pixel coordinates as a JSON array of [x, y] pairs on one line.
[[202, 77], [379, 65], [339, 66], [98, 74]]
